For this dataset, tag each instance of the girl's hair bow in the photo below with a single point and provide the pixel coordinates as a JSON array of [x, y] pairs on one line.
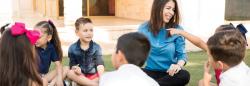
[[19, 29]]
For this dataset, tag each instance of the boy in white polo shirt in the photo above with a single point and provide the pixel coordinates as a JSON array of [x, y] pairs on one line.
[[228, 51], [131, 52]]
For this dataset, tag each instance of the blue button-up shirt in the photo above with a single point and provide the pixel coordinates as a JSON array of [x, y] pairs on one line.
[[164, 50], [87, 59]]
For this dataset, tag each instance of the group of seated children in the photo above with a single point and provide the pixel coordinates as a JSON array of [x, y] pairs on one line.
[[26, 55]]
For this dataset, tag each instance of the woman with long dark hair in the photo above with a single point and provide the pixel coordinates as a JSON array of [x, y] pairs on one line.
[[167, 55]]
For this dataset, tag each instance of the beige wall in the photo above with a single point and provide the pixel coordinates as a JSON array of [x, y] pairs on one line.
[[22, 7], [40, 6], [133, 9], [48, 8]]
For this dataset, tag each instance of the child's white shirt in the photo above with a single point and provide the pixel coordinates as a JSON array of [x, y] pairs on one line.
[[238, 75], [127, 75]]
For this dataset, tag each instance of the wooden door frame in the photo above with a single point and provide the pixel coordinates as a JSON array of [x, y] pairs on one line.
[[58, 10]]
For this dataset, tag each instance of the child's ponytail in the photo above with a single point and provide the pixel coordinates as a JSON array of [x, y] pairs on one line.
[[56, 40]]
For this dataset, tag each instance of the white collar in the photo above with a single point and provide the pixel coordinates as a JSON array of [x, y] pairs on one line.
[[242, 65], [128, 66]]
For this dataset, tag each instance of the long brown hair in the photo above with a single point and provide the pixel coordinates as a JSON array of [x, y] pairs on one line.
[[156, 18], [51, 30], [18, 65]]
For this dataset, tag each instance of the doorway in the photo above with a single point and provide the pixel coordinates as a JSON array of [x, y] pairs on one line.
[[98, 7], [61, 8]]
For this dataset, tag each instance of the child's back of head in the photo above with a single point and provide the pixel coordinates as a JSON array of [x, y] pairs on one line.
[[135, 47], [17, 57], [131, 52], [227, 46], [227, 49]]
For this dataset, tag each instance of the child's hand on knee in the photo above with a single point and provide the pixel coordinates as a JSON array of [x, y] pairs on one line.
[[77, 70]]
